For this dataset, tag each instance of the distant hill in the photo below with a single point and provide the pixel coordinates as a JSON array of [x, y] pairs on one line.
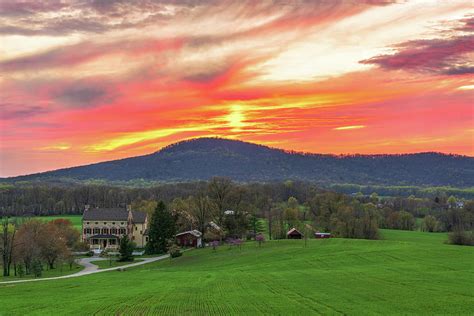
[[203, 158]]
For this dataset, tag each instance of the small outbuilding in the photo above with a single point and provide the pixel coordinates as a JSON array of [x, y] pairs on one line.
[[294, 234], [319, 235], [191, 238]]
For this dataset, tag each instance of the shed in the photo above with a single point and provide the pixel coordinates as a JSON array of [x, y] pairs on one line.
[[294, 234], [319, 235], [190, 238]]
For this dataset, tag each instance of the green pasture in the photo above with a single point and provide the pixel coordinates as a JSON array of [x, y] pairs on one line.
[[104, 264], [405, 273], [75, 219], [60, 270]]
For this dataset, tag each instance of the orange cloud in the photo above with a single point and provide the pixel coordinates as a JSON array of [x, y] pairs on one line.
[[342, 77]]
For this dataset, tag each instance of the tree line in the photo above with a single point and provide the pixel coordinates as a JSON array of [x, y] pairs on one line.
[[222, 209]]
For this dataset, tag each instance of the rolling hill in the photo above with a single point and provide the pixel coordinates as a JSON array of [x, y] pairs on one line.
[[405, 273], [203, 158]]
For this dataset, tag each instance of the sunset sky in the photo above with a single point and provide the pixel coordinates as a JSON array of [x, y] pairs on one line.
[[89, 81]]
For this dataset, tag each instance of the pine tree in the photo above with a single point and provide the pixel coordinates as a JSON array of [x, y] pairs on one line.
[[126, 249], [162, 229]]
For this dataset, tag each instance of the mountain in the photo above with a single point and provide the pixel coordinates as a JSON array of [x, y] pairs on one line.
[[203, 158]]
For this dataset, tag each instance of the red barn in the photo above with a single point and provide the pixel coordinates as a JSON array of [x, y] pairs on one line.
[[294, 234], [191, 238]]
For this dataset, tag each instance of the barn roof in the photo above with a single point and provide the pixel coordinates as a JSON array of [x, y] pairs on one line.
[[195, 233], [294, 231]]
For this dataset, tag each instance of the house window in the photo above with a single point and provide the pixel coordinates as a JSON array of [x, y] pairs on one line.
[[87, 230], [105, 231], [87, 223], [136, 228], [97, 223], [113, 231], [113, 223], [141, 232], [112, 241], [121, 223], [133, 237], [146, 238], [122, 231], [96, 230], [105, 223]]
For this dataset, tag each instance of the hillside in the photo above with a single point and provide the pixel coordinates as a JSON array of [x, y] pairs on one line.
[[409, 273], [201, 159]]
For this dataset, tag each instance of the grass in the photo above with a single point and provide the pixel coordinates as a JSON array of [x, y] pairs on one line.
[[405, 273], [75, 219], [47, 273], [104, 264]]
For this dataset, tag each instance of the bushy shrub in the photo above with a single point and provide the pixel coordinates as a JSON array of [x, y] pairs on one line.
[[21, 271], [214, 244], [430, 224], [175, 251], [37, 268], [461, 237], [260, 238]]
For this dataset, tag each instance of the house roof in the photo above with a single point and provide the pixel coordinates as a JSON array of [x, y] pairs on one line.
[[195, 233], [106, 214], [293, 231], [113, 214], [139, 217]]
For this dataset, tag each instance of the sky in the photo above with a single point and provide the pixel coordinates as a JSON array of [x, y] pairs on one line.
[[89, 81]]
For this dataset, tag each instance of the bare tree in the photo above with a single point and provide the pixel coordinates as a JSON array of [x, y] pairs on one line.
[[202, 209], [220, 190]]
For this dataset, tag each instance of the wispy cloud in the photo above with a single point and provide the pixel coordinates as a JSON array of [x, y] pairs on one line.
[[97, 80], [345, 128]]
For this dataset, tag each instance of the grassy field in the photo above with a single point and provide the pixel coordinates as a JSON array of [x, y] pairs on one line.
[[406, 273], [75, 219], [104, 264], [64, 269]]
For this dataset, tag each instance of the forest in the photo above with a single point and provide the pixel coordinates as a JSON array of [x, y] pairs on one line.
[[281, 204]]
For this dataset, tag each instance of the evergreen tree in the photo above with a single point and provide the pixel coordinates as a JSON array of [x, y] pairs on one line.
[[126, 249], [37, 268], [162, 229]]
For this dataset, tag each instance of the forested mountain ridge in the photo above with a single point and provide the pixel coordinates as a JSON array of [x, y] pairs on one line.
[[203, 158]]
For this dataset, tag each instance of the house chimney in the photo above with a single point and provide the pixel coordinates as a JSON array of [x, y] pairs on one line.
[[129, 208], [86, 207]]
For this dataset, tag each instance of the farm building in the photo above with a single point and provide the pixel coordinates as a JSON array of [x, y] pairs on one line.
[[294, 234], [103, 228], [322, 235], [191, 238]]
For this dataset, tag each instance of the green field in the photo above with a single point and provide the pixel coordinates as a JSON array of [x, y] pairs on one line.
[[406, 273], [104, 264], [75, 219], [63, 269]]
